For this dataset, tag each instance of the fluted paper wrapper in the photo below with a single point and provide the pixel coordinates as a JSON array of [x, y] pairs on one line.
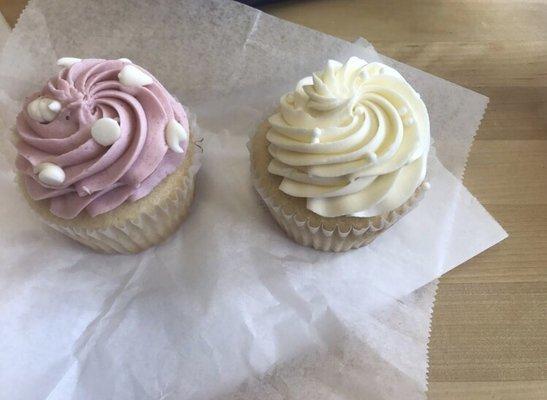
[[301, 229], [228, 307], [148, 227]]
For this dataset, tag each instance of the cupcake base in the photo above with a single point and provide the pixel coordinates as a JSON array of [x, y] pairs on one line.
[[133, 226], [306, 227]]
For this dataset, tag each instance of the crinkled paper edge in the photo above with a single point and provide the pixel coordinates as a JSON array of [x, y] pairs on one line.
[[301, 229], [144, 231]]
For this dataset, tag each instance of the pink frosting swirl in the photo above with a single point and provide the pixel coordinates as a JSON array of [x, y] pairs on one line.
[[97, 178]]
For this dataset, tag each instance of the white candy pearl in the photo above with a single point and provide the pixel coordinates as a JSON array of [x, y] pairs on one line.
[[315, 134], [427, 185], [66, 62], [133, 76], [105, 131], [50, 174], [43, 109], [373, 157], [409, 121], [174, 135]]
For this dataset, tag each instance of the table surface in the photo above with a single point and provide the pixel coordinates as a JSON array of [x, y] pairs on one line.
[[489, 329]]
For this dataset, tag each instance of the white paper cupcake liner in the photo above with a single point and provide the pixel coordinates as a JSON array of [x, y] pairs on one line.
[[145, 230], [303, 231]]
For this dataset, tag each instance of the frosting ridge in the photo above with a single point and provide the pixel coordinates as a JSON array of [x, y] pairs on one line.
[[107, 137], [352, 139]]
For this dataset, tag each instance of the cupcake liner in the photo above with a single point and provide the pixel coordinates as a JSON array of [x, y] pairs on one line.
[[138, 232], [143, 231], [310, 229], [303, 231]]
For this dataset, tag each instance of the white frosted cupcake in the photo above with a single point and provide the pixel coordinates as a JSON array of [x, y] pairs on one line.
[[344, 157], [105, 155]]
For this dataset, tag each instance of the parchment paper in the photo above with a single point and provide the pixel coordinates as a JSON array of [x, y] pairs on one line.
[[4, 31], [228, 306]]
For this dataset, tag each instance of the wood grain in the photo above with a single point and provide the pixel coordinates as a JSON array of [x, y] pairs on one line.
[[489, 330], [11, 9]]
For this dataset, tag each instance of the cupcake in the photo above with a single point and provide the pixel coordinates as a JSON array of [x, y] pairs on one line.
[[344, 157], [105, 155]]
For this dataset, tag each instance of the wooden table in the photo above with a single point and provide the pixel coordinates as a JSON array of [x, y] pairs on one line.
[[489, 333]]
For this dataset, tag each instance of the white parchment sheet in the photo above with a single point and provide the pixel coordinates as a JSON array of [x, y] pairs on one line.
[[228, 307]]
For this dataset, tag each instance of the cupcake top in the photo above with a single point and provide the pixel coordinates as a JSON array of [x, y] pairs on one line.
[[100, 133], [352, 139]]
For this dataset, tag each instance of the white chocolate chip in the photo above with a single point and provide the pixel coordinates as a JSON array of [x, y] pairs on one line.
[[50, 174], [174, 135], [133, 76], [106, 131], [43, 109], [54, 106], [66, 62]]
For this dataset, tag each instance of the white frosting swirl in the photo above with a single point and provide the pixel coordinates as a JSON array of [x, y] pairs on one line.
[[353, 139]]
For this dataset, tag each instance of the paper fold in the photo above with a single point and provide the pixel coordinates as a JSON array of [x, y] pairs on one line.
[[229, 297]]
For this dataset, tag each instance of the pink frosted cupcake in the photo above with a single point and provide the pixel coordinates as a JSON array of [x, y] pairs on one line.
[[105, 155]]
